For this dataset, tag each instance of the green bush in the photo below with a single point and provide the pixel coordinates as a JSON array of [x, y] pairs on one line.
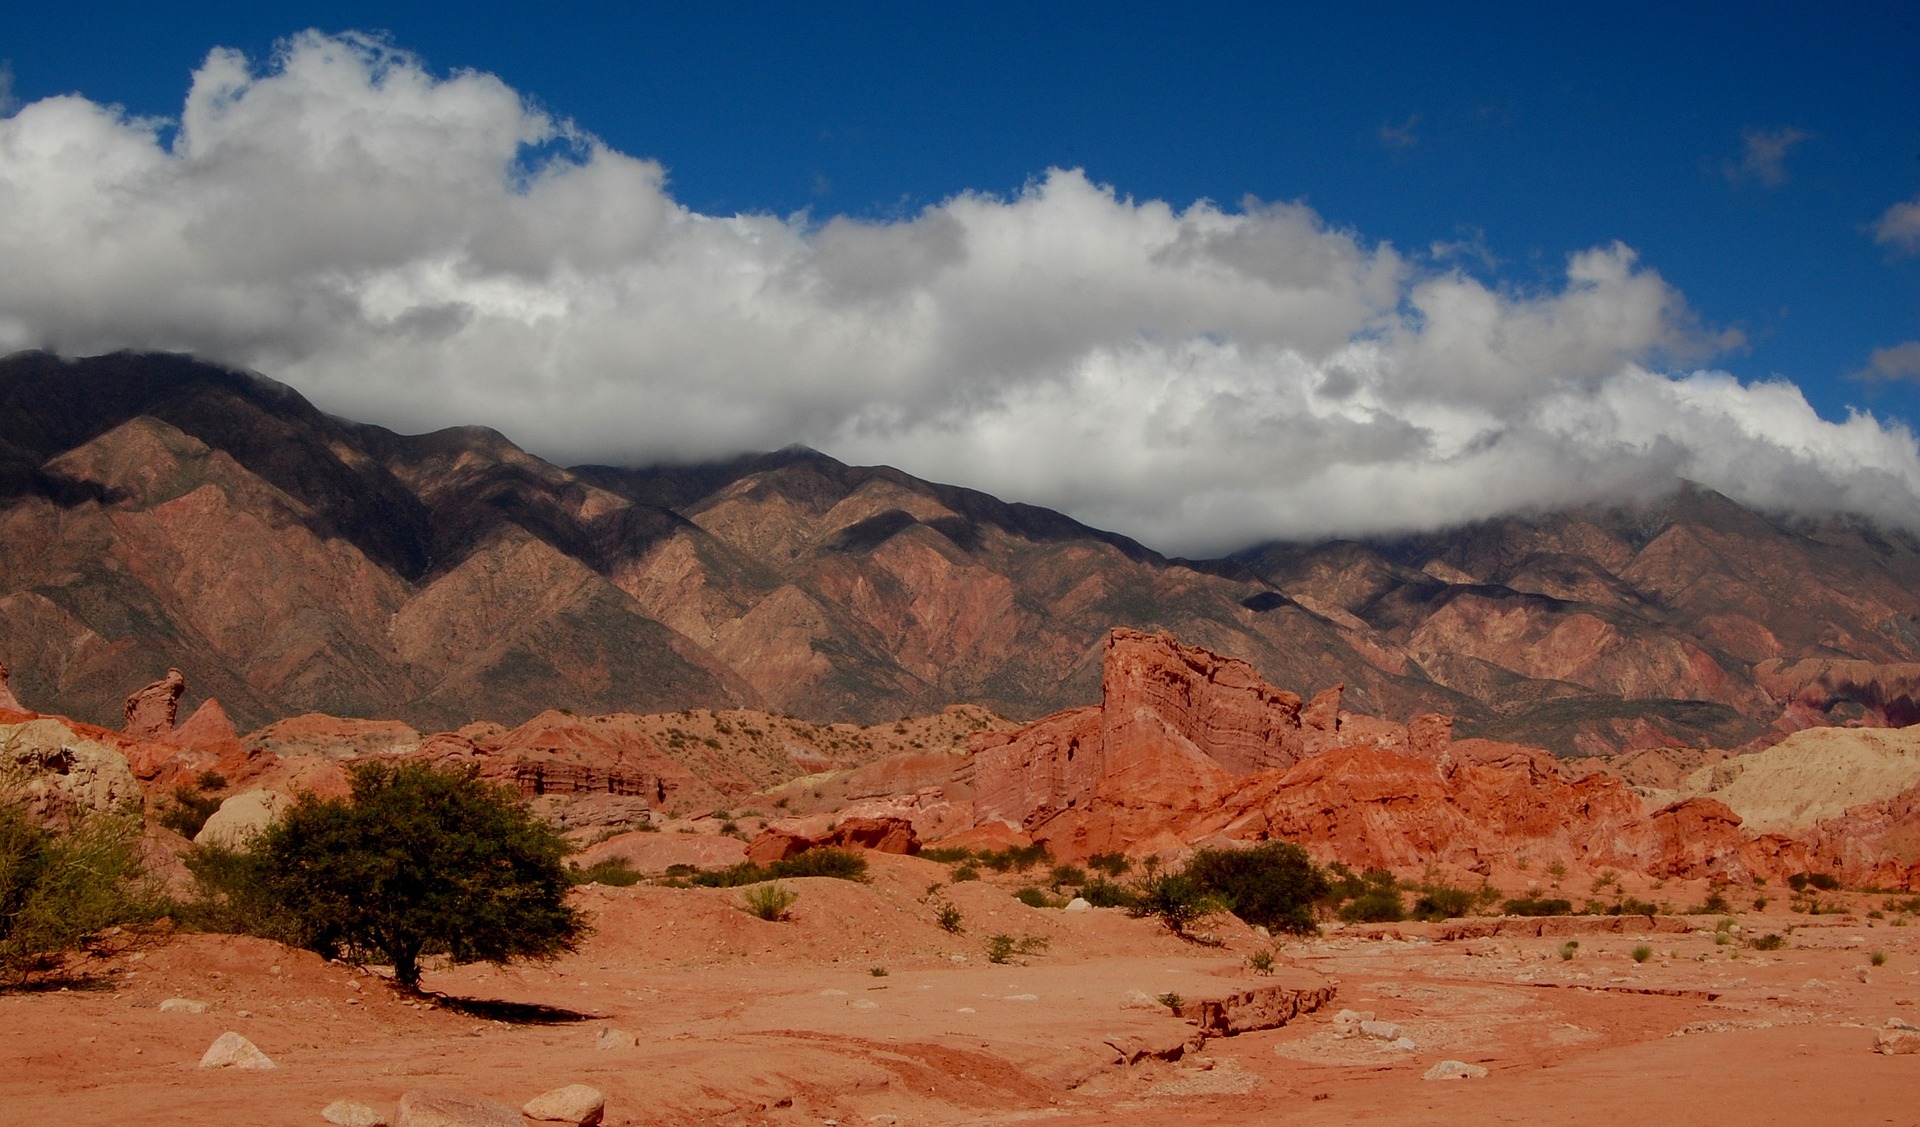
[[1445, 902], [1112, 864], [841, 864], [1106, 894], [1537, 906], [1642, 953], [770, 902], [1377, 906], [1001, 948], [965, 872], [948, 917], [1176, 899], [946, 856], [1034, 898], [1069, 875], [614, 871], [57, 888], [189, 811], [1272, 885], [415, 862], [1771, 941]]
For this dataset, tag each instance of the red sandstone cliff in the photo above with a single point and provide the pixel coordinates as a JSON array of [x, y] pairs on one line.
[[1188, 747]]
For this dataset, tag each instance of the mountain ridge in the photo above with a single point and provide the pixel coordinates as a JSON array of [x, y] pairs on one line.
[[293, 561]]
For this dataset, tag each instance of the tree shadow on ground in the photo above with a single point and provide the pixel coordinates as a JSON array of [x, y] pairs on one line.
[[512, 1013]]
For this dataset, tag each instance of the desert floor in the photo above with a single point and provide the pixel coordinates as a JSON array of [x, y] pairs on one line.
[[736, 1020]]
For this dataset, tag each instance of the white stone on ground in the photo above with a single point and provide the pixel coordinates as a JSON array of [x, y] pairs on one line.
[[347, 1113], [575, 1103], [1455, 1070], [183, 1006], [440, 1107], [230, 1050]]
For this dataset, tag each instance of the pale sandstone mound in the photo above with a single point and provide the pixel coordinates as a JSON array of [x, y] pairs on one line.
[[61, 773], [1811, 776], [241, 817]]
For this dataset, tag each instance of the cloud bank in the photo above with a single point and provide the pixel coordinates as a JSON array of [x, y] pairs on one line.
[[423, 251]]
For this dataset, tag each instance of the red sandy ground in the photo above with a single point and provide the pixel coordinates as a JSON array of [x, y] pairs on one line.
[[742, 1021]]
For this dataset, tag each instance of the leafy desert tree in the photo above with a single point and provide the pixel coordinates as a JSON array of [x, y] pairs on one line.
[[416, 862], [1273, 885], [59, 886]]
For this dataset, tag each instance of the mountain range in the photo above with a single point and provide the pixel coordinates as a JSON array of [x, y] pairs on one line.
[[157, 511]]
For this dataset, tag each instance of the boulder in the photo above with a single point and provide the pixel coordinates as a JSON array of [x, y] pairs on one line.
[[1455, 1070], [611, 1038], [347, 1113], [230, 1050], [441, 1107], [150, 711], [1897, 1039], [183, 1006], [242, 816], [575, 1103]]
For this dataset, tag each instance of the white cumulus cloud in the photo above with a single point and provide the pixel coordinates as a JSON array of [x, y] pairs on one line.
[[422, 250]]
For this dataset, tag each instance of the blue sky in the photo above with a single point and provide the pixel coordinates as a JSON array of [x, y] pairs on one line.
[[1745, 153]]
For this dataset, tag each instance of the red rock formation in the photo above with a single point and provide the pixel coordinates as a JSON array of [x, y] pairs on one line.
[[1189, 748], [150, 711], [781, 840]]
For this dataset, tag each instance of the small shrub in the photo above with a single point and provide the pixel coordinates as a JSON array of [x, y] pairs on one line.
[[1377, 906], [771, 902], [1759, 903], [1878, 958], [841, 864], [1260, 962], [949, 918], [1106, 894], [210, 780], [614, 871], [1537, 906], [1068, 875], [1771, 941], [1170, 1000], [1632, 906], [1176, 900], [1444, 902], [1001, 948], [946, 856], [1112, 864], [1569, 949], [1606, 877], [59, 887], [1642, 953], [965, 872], [1714, 905], [1034, 898], [877, 972]]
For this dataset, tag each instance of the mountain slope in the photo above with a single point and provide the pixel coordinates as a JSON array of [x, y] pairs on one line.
[[156, 511]]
